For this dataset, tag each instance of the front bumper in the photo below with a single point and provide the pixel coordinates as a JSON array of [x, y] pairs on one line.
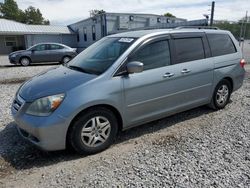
[[47, 133], [13, 60]]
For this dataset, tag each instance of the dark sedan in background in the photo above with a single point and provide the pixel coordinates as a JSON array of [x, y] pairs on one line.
[[43, 52]]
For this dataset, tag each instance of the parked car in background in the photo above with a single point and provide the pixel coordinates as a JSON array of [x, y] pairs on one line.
[[126, 80], [43, 52]]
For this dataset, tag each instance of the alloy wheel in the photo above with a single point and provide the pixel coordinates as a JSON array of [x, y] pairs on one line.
[[96, 131], [66, 59], [25, 61], [222, 95]]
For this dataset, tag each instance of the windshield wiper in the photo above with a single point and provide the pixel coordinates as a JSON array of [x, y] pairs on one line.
[[73, 67]]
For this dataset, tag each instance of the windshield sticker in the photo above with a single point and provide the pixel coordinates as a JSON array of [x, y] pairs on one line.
[[128, 40]]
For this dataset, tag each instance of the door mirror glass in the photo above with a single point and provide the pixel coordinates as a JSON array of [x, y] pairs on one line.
[[134, 67]]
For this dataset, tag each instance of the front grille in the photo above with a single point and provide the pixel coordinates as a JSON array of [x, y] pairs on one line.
[[17, 103]]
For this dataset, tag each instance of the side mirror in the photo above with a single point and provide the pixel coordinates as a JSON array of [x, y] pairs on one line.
[[134, 67]]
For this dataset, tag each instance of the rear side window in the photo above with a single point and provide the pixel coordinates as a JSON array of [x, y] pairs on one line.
[[153, 55], [55, 47], [189, 49], [221, 44]]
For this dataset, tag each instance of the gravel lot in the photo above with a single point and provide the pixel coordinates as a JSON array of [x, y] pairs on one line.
[[10, 73], [197, 148]]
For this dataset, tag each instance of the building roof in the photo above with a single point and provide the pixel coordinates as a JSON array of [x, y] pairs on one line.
[[134, 14], [13, 27], [144, 14]]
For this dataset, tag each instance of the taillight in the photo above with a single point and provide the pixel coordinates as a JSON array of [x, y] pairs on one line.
[[242, 63]]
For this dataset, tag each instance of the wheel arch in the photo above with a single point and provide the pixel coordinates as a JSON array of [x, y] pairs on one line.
[[107, 106], [230, 81]]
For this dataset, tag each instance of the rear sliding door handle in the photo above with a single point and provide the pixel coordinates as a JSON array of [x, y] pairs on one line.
[[168, 75], [184, 71]]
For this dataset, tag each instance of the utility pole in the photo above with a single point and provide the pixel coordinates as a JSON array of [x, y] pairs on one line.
[[244, 32], [241, 31], [212, 14]]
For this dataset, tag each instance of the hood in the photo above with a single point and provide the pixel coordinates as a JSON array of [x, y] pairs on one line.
[[54, 81], [17, 52]]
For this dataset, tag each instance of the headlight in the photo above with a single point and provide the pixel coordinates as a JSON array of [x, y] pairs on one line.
[[46, 105]]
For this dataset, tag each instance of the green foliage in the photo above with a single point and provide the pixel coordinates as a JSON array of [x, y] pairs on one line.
[[234, 28], [96, 12], [9, 10], [34, 16], [169, 15]]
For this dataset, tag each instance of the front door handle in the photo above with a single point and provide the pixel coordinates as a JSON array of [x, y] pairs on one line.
[[168, 75], [184, 71]]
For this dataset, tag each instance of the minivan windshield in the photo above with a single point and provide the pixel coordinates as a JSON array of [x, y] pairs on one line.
[[97, 58]]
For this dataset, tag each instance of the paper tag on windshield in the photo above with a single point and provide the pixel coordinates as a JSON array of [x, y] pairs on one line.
[[128, 40]]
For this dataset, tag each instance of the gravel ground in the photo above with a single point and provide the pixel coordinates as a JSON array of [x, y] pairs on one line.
[[17, 74], [4, 60], [197, 148], [10, 73]]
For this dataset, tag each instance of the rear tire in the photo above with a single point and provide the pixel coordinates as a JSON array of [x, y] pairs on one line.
[[94, 131], [25, 61], [221, 95]]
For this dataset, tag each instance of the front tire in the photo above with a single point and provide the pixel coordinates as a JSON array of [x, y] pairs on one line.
[[221, 95], [25, 61], [66, 59], [94, 131]]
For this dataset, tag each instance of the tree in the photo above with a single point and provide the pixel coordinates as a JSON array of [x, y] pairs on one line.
[[34, 16], [234, 28], [96, 12], [9, 10], [169, 15]]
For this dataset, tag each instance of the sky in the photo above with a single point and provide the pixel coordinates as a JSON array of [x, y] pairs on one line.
[[64, 12]]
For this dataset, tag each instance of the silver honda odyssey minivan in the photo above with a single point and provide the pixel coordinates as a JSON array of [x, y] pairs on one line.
[[125, 80]]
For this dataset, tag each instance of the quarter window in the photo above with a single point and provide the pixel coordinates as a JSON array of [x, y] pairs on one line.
[[220, 44], [189, 49], [153, 55], [55, 47]]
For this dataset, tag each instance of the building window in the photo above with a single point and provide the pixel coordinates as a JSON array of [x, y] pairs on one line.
[[131, 18], [77, 35], [10, 41], [85, 34], [94, 20], [93, 32], [159, 20], [168, 21]]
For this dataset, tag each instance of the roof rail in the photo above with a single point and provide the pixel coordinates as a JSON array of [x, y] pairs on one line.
[[197, 27]]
